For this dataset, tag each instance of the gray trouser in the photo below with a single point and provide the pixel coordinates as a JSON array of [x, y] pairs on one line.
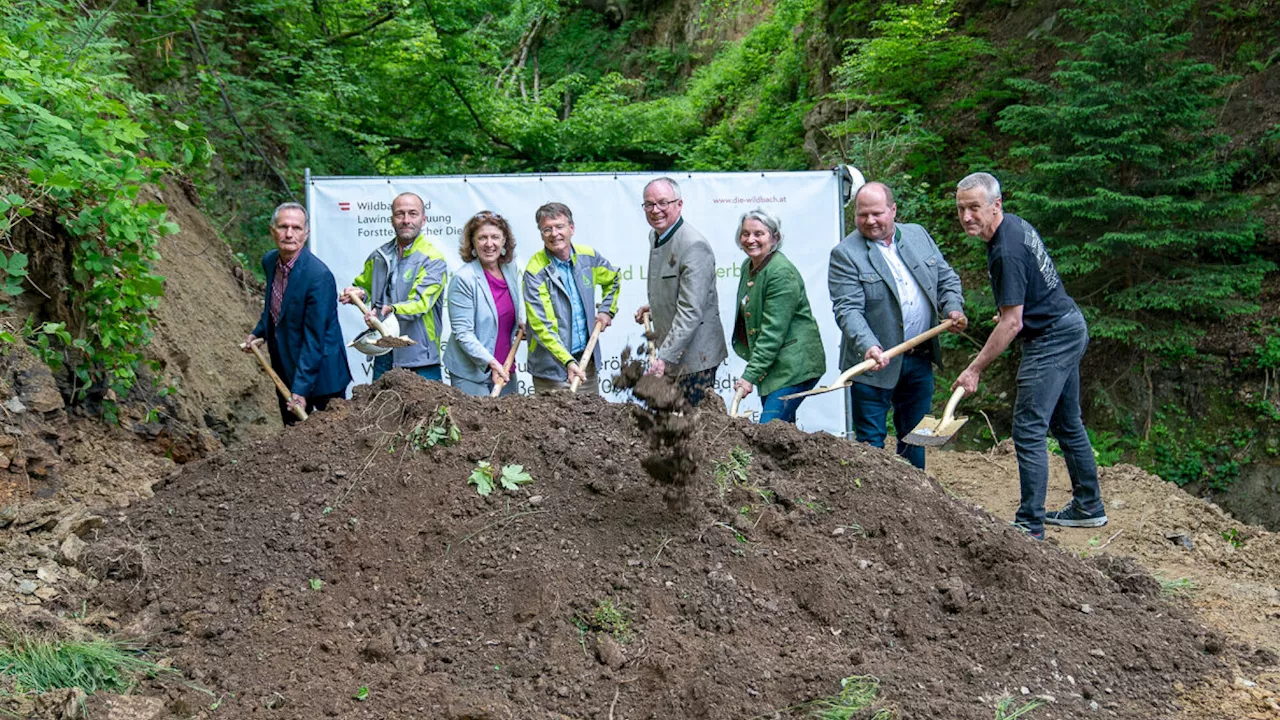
[[1049, 401], [591, 384], [483, 389]]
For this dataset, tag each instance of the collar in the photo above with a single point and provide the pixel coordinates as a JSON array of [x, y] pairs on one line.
[[287, 265], [664, 237], [562, 263], [897, 237]]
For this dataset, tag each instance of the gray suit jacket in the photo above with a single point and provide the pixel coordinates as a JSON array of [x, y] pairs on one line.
[[866, 298], [473, 318], [684, 303]]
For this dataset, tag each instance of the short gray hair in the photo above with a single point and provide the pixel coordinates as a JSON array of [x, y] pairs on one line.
[[306, 219], [675, 187], [765, 218], [988, 182]]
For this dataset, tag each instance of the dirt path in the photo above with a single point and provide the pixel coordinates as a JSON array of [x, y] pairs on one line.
[[1184, 541]]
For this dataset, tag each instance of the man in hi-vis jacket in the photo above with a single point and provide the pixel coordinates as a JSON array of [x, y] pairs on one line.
[[406, 276], [559, 297], [689, 342]]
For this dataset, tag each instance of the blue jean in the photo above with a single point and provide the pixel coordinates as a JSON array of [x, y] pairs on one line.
[[910, 400], [773, 407], [383, 363], [1049, 401]]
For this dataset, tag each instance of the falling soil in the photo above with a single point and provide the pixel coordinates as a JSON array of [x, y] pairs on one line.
[[670, 423], [340, 571]]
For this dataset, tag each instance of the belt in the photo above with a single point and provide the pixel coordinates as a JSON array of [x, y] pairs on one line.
[[923, 350]]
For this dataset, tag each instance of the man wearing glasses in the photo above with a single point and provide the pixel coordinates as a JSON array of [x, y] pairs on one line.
[[689, 338], [559, 295]]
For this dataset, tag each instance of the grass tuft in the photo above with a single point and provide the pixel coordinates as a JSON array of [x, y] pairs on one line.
[[857, 693], [41, 665], [1004, 709]]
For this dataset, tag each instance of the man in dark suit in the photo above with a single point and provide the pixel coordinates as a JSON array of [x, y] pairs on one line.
[[300, 318], [889, 283]]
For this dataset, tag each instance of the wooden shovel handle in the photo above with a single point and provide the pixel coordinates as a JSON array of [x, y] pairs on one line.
[[949, 413], [364, 309], [586, 354], [648, 334], [848, 375], [256, 347], [738, 395], [511, 356]]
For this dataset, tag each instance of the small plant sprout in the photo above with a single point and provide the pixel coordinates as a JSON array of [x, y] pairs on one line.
[[858, 694], [1005, 708], [436, 429], [1233, 537], [513, 476], [732, 471], [1181, 587], [362, 694], [606, 617], [315, 584], [510, 478]]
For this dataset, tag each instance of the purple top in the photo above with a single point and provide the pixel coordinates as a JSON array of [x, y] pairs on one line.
[[506, 315]]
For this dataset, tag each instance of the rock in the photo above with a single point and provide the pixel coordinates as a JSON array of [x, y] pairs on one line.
[[6, 578], [1097, 652], [71, 549], [46, 593], [379, 649], [132, 707], [14, 405], [47, 574], [78, 522], [954, 596], [609, 651], [32, 517], [1087, 609], [535, 501], [1181, 538], [27, 587]]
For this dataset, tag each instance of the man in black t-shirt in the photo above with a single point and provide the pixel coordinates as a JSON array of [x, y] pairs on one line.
[[1034, 307]]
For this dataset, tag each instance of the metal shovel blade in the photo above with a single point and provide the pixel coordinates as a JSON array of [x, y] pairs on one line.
[[932, 432]]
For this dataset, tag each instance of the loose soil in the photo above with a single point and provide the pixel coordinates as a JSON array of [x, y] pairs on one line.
[[286, 575]]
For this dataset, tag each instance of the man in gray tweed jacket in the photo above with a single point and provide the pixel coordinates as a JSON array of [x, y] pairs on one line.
[[682, 295]]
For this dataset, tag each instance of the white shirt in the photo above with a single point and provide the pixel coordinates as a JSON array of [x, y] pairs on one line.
[[915, 307]]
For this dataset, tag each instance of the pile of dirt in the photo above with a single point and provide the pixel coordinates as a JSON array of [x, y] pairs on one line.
[[348, 569], [1207, 560]]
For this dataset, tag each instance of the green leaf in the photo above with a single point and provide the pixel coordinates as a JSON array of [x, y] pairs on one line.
[[36, 175], [362, 694], [513, 476], [315, 583], [482, 477], [181, 125]]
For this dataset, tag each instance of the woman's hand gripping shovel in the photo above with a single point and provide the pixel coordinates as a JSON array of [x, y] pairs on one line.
[[846, 378], [509, 364]]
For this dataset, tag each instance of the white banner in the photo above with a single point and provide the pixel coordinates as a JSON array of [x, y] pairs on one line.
[[350, 216]]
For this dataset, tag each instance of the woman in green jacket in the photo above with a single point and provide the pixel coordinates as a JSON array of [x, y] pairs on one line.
[[774, 330]]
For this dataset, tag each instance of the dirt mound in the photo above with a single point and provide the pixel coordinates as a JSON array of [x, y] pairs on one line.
[[1203, 557], [289, 575]]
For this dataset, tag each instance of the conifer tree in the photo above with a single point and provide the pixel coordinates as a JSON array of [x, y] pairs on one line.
[[1125, 178]]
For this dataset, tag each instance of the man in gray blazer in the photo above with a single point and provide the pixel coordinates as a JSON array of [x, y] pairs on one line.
[[889, 283], [682, 295]]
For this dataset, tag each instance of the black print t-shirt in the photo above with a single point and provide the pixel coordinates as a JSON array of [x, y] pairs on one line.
[[1022, 273]]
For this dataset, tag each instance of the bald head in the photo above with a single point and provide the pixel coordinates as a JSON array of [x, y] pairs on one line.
[[875, 212]]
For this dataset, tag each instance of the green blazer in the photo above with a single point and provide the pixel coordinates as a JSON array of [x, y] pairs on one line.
[[774, 330]]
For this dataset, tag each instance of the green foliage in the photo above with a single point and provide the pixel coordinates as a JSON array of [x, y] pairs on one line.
[[732, 471], [1010, 709], [79, 138], [1181, 455], [362, 693], [41, 665], [510, 478], [858, 694], [1179, 587], [606, 617], [1233, 537], [438, 429], [1122, 176], [315, 584]]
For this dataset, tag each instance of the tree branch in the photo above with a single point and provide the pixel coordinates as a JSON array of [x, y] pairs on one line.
[[340, 37], [222, 90], [476, 117]]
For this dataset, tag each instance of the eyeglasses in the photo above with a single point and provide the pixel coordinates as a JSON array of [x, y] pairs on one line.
[[659, 205], [548, 230]]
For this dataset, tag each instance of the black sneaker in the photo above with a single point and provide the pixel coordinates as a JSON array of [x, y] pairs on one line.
[[1073, 516]]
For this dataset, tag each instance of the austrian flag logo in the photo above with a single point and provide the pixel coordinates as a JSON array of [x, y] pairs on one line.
[[344, 206]]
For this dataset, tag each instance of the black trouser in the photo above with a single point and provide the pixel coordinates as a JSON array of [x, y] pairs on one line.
[[314, 404]]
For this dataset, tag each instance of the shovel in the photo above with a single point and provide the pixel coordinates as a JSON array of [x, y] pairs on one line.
[[648, 334], [256, 347], [848, 375], [932, 432], [733, 407], [586, 355], [511, 356], [387, 339]]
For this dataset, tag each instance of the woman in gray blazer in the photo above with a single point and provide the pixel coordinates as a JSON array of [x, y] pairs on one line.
[[485, 308]]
